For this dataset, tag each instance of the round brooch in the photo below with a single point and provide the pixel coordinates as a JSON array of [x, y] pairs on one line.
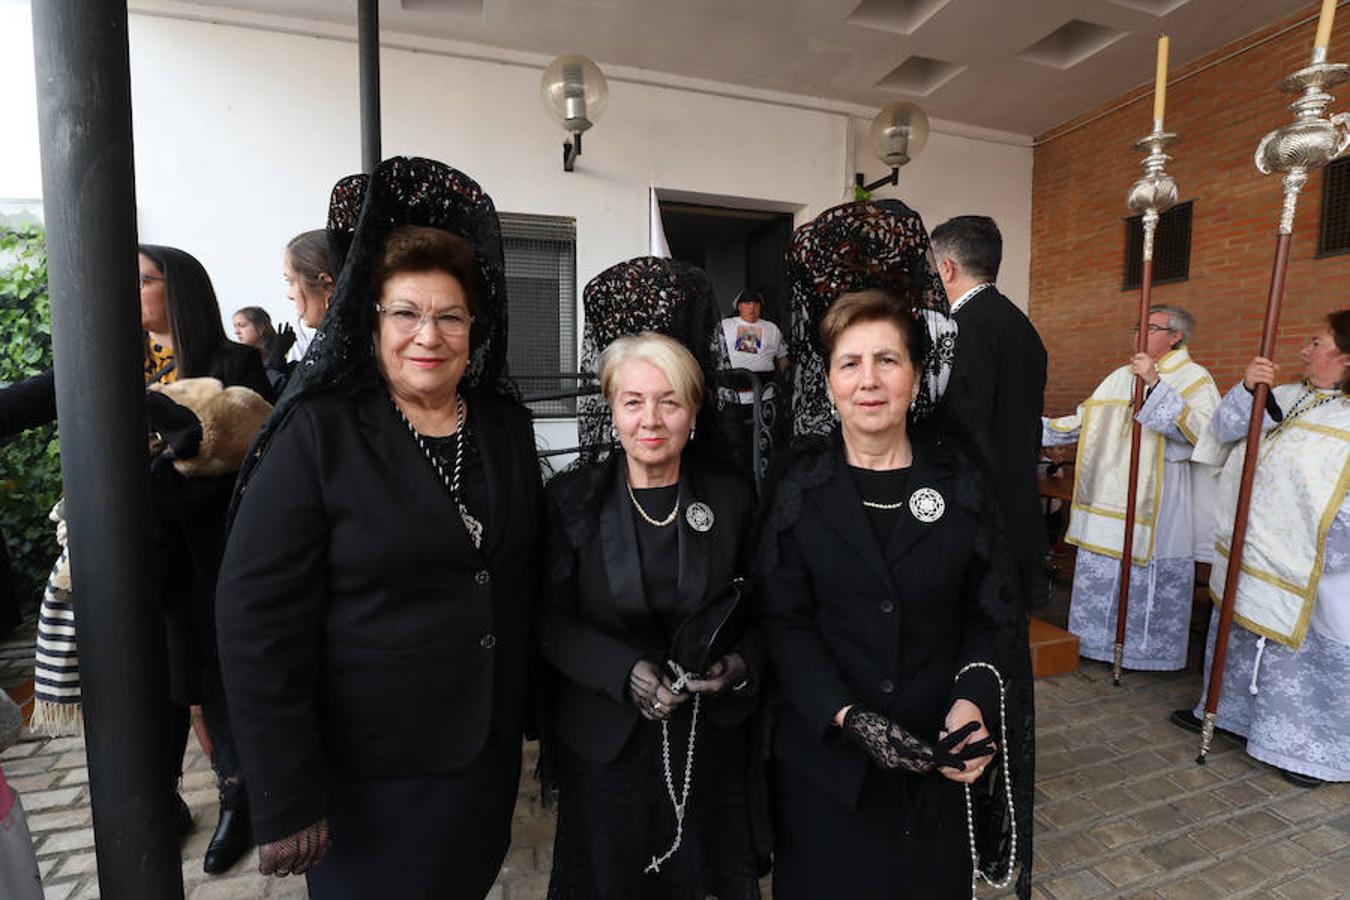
[[699, 516], [927, 505]]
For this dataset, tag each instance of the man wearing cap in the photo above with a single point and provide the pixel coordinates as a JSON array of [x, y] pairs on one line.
[[755, 344]]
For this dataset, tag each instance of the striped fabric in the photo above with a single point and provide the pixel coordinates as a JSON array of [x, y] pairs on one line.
[[56, 675]]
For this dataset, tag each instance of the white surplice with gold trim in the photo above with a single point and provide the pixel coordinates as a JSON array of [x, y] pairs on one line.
[[1174, 513], [1288, 663]]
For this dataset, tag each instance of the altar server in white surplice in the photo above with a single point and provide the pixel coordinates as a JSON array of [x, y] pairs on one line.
[[1286, 682], [1170, 512]]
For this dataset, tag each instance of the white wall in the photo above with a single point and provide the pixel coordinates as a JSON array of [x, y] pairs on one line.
[[241, 130]]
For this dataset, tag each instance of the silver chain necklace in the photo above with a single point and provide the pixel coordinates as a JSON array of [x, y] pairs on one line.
[[648, 519], [471, 525]]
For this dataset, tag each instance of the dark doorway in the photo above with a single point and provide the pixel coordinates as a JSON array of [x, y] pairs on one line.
[[738, 248]]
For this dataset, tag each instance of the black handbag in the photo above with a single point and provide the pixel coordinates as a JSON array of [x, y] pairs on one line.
[[709, 634]]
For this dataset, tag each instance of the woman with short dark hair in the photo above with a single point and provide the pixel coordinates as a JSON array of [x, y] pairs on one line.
[[379, 582], [1289, 649], [874, 605]]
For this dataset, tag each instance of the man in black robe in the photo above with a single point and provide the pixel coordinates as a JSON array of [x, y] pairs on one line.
[[997, 390]]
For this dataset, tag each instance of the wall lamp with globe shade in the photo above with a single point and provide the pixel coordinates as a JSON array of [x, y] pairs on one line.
[[899, 131], [575, 93]]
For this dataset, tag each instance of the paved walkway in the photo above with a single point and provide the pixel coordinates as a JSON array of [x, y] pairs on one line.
[[1122, 811]]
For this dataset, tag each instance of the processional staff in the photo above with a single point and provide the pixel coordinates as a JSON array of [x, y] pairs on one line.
[[1152, 195], [1310, 142]]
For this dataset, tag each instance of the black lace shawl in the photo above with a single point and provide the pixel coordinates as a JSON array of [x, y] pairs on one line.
[[810, 462], [866, 244], [648, 293], [401, 191]]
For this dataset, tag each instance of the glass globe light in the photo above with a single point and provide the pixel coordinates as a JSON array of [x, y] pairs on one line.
[[898, 133], [574, 91]]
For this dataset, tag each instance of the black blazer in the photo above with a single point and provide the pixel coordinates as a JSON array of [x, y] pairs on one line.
[[595, 623], [32, 402], [360, 631], [996, 396], [847, 621]]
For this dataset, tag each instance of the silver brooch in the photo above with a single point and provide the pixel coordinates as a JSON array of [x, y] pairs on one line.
[[927, 505], [699, 516]]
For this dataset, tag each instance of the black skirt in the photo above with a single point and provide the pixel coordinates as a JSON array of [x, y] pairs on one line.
[[906, 838], [435, 838], [613, 818]]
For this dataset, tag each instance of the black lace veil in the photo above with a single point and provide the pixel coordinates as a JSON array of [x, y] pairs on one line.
[[866, 244], [362, 211], [648, 293]]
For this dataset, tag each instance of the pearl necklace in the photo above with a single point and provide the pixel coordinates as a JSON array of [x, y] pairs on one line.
[[471, 525], [871, 504], [662, 523]]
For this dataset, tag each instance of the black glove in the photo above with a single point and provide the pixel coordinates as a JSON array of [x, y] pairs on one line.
[[176, 431], [281, 345], [892, 747], [651, 691], [293, 854]]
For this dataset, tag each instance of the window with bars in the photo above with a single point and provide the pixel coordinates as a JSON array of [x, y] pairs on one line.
[[541, 286], [1171, 247], [1334, 235]]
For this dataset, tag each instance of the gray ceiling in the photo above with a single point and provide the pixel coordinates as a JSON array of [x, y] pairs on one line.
[[1017, 65]]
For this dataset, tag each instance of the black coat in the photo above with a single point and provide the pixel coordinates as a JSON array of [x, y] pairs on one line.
[[189, 524], [595, 623], [360, 631], [996, 396], [847, 621], [32, 402]]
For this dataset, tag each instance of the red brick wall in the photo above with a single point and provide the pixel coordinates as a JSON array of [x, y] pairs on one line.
[[1080, 180]]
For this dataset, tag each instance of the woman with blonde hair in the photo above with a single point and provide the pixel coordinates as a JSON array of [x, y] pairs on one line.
[[643, 623]]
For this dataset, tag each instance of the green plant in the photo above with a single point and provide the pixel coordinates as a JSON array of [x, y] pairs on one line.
[[30, 464]]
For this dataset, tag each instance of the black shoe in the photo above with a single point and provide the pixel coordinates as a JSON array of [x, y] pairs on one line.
[[1303, 781], [182, 814], [1184, 718], [233, 835]]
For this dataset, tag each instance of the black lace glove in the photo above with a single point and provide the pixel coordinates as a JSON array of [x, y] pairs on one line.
[[727, 674], [892, 747], [294, 854], [281, 345], [650, 691]]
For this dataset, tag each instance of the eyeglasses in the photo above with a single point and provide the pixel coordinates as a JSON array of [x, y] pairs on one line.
[[1152, 329], [408, 321], [144, 279]]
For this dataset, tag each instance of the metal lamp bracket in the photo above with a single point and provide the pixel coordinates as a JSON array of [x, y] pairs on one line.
[[571, 150]]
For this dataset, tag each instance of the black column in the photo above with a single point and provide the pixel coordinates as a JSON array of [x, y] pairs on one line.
[[368, 44], [89, 200]]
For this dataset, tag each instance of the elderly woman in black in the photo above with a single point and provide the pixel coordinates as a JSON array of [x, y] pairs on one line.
[[378, 586], [877, 594], [643, 623]]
